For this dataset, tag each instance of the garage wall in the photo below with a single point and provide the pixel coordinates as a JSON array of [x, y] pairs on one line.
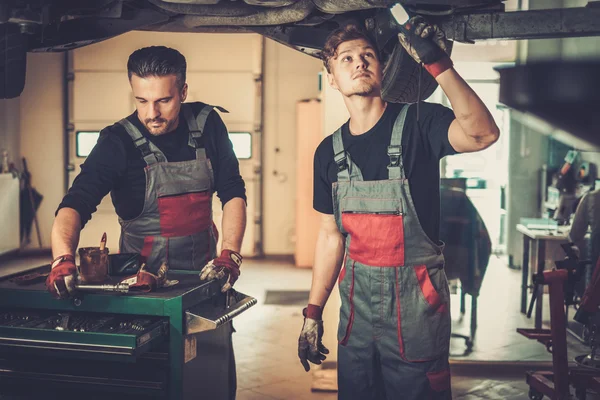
[[579, 48], [9, 187], [41, 134], [222, 70], [334, 110], [290, 76], [528, 149], [9, 129]]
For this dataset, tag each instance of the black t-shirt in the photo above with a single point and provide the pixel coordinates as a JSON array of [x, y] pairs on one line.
[[115, 165], [424, 143]]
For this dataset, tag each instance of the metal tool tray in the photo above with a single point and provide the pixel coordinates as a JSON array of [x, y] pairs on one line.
[[211, 315]]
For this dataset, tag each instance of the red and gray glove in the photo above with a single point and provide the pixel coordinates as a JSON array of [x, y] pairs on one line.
[[426, 44], [63, 276], [143, 281], [227, 264], [310, 342]]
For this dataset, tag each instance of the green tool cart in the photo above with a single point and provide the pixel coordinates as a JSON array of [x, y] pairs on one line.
[[168, 344]]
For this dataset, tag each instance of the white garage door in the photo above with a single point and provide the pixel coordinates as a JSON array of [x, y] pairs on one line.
[[223, 70]]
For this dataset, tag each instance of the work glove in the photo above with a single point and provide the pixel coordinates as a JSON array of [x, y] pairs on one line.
[[143, 281], [426, 44], [227, 264], [63, 276], [310, 345]]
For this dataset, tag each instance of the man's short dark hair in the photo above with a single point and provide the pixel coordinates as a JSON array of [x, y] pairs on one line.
[[157, 61], [339, 36]]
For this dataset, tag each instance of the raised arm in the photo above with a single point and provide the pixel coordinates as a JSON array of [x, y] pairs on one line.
[[474, 128]]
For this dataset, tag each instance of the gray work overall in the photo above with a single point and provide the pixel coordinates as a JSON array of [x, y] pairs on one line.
[[394, 331], [176, 226]]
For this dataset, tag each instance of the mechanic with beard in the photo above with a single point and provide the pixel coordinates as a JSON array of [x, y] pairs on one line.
[[376, 183], [161, 164]]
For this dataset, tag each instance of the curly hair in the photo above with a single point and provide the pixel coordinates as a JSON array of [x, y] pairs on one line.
[[343, 34]]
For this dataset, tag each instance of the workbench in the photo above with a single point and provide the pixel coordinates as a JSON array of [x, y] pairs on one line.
[[539, 237]]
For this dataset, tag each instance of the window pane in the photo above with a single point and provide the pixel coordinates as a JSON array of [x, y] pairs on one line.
[[86, 142], [241, 141], [242, 144]]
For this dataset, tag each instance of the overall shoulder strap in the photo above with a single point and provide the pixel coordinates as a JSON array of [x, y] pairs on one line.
[[150, 152], [394, 150], [196, 126], [346, 168]]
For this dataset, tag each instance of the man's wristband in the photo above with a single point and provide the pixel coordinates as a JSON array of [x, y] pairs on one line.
[[60, 259], [439, 66], [313, 312], [233, 256]]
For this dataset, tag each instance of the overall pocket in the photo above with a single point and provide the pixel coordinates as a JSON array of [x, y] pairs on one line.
[[376, 230], [184, 214], [423, 313]]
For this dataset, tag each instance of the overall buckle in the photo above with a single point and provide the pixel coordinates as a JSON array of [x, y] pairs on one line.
[[144, 148], [198, 139], [341, 161], [394, 153]]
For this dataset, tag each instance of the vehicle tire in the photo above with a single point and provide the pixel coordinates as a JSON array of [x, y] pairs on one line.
[[13, 57], [401, 78]]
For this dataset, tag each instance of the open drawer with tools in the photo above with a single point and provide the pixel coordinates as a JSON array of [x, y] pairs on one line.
[[80, 335], [81, 353]]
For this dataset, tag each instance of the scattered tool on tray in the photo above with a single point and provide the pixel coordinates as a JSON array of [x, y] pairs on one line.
[[98, 271], [142, 281]]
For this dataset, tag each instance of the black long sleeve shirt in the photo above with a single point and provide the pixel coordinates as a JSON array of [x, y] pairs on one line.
[[115, 165]]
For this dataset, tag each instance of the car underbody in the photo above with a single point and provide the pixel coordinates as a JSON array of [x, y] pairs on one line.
[[60, 25]]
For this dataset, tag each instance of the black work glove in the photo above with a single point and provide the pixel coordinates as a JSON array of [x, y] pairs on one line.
[[426, 44], [310, 345]]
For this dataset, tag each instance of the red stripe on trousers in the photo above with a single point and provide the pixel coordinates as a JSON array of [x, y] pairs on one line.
[[399, 325], [351, 318]]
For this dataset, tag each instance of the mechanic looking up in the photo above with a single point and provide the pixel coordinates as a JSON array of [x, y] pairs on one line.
[[376, 184]]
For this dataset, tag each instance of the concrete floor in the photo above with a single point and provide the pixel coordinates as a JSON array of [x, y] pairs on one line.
[[266, 338]]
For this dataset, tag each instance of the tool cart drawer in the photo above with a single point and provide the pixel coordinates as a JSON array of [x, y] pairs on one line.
[[80, 335]]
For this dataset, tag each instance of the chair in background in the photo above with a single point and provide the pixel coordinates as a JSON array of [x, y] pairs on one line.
[[468, 247]]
